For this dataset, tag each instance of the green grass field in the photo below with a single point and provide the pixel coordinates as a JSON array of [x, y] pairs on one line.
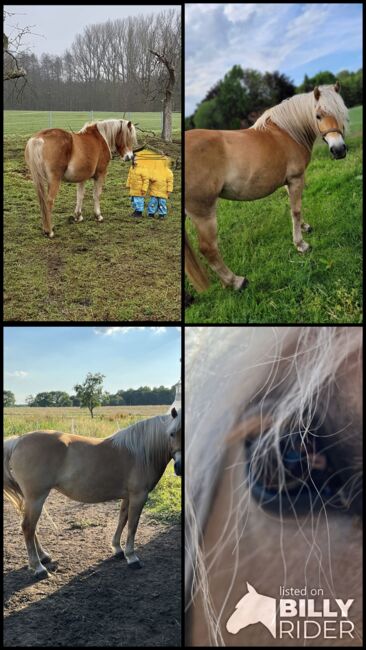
[[118, 270], [164, 502], [255, 239], [28, 122]]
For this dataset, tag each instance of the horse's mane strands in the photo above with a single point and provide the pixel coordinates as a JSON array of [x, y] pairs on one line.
[[297, 117], [147, 440], [109, 129], [229, 373]]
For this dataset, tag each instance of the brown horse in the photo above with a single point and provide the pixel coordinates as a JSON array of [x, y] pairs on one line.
[[126, 465], [54, 155], [273, 480], [249, 164]]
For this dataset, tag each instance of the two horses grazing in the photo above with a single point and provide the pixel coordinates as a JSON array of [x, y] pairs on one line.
[[126, 465], [54, 155], [249, 164]]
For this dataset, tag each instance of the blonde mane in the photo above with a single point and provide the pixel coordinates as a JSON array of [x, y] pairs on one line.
[[109, 130], [147, 440], [297, 115]]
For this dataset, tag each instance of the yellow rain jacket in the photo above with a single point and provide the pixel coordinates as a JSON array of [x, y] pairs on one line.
[[157, 168], [137, 181]]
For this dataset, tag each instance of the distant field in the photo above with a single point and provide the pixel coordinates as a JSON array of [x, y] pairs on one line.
[[255, 240], [164, 502], [27, 122]]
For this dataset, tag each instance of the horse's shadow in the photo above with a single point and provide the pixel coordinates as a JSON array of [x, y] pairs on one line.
[[106, 605]]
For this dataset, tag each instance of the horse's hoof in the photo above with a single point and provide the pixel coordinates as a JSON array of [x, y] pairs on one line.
[[240, 283], [243, 284], [135, 565], [78, 219], [305, 227], [46, 559], [304, 248], [41, 575], [50, 235], [120, 555], [99, 218]]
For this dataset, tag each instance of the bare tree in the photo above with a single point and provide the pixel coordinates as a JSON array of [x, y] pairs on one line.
[[11, 46]]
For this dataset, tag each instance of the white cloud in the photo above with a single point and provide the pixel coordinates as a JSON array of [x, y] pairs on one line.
[[18, 373], [112, 331]]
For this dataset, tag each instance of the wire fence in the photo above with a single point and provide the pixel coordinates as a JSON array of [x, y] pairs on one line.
[[28, 122]]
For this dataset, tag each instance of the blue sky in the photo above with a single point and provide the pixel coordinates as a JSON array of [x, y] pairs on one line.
[[38, 359], [292, 38]]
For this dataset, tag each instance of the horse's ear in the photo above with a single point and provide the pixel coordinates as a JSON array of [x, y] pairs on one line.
[[337, 86], [316, 93], [129, 126], [174, 412], [251, 589]]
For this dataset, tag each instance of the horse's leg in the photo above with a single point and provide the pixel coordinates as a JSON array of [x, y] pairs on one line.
[[80, 191], [136, 503], [42, 554], [53, 187], [295, 188], [116, 541], [97, 190], [32, 512], [207, 238], [305, 227]]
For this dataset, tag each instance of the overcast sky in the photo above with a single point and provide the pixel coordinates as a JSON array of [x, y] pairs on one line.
[[41, 358], [292, 38], [54, 27]]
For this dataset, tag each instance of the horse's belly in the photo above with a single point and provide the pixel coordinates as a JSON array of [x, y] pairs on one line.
[[76, 173], [251, 190]]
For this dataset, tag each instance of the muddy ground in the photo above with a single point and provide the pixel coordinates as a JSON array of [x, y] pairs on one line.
[[92, 599]]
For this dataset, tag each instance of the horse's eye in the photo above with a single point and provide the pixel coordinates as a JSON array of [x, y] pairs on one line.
[[293, 477], [318, 117]]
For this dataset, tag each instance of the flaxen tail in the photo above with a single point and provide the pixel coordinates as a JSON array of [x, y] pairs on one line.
[[12, 490], [193, 267], [34, 158]]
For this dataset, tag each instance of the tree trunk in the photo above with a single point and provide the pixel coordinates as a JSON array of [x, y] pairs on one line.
[[166, 133]]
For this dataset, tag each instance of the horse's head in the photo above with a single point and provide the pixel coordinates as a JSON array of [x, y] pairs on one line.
[[331, 117], [126, 140], [174, 433], [253, 608]]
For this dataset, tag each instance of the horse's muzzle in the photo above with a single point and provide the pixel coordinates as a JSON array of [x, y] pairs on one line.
[[339, 152], [128, 156], [177, 463]]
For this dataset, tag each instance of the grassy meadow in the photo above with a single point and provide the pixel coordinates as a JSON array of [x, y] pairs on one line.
[[117, 270], [164, 502], [255, 239]]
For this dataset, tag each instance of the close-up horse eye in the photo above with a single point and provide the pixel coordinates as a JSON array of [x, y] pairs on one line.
[[294, 477]]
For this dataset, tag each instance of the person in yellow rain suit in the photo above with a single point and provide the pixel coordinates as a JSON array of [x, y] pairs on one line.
[[150, 170], [138, 183], [161, 184]]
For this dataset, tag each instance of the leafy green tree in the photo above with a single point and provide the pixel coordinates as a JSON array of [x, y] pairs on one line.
[[90, 392], [9, 398], [208, 115]]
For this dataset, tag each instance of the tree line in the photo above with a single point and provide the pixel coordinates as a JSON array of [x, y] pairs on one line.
[[145, 395], [130, 64], [243, 95]]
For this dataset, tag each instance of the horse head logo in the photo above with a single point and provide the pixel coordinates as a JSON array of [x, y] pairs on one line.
[[253, 608]]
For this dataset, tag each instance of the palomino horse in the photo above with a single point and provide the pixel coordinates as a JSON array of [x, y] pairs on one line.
[[249, 164], [273, 483], [54, 155], [126, 465]]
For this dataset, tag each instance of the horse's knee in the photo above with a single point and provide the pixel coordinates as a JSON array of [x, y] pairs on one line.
[[208, 250]]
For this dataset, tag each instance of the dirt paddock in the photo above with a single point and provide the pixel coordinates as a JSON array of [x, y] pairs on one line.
[[91, 598]]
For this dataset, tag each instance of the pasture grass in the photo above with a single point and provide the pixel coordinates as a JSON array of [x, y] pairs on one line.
[[164, 502], [28, 122], [255, 239], [117, 270]]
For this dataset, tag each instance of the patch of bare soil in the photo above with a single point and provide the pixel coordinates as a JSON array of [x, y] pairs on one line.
[[92, 599]]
